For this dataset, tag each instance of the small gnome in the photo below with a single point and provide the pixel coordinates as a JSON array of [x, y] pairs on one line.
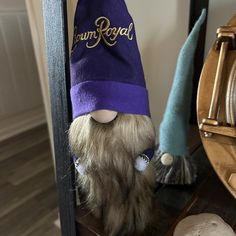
[[112, 136], [173, 162]]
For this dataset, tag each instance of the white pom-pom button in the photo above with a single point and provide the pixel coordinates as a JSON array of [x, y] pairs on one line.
[[167, 159], [80, 168], [140, 164]]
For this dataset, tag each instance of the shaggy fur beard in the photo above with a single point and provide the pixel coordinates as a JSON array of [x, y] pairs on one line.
[[115, 191]]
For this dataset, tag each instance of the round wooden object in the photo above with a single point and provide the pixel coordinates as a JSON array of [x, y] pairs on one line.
[[220, 148]]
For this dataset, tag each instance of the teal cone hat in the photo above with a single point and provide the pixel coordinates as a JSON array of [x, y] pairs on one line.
[[172, 159]]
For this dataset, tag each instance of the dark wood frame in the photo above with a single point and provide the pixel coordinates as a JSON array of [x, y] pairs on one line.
[[55, 22], [56, 35]]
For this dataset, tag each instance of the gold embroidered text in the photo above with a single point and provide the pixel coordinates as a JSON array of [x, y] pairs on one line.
[[104, 32]]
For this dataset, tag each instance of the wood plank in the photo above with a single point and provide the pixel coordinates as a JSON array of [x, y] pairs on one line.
[[43, 225], [28, 194], [85, 219], [30, 133], [54, 231], [12, 197], [11, 164], [209, 199], [31, 168], [22, 142], [47, 199], [84, 231], [15, 124], [215, 200], [22, 219]]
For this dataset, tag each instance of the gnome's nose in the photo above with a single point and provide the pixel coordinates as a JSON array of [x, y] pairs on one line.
[[104, 116]]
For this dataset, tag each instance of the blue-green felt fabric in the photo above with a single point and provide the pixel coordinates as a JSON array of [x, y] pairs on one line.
[[174, 126]]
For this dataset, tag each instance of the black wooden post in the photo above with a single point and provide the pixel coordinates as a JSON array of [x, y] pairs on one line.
[[196, 7], [55, 22]]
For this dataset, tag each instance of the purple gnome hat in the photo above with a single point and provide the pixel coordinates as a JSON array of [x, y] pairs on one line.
[[106, 68]]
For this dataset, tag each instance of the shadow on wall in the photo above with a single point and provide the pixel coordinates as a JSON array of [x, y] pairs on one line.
[[159, 56], [219, 14]]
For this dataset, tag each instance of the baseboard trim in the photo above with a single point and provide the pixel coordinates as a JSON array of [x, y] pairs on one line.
[[21, 122]]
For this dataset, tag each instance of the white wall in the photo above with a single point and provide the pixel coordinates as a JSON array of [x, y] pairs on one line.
[[220, 11], [161, 27], [35, 17], [21, 105]]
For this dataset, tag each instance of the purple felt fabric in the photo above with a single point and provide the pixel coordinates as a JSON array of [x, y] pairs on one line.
[[106, 68], [149, 153], [110, 95]]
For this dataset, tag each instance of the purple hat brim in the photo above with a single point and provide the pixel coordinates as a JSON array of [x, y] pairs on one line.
[[121, 97]]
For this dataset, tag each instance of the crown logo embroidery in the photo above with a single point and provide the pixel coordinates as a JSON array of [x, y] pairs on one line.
[[104, 32]]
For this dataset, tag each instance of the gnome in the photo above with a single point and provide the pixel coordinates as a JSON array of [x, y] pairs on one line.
[[173, 162], [112, 136]]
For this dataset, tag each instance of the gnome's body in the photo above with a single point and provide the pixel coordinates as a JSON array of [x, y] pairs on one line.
[[112, 135]]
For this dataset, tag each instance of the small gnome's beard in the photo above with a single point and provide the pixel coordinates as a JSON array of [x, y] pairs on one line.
[[114, 189]]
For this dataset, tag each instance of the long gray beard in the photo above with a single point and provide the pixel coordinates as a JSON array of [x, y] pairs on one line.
[[122, 200], [115, 191]]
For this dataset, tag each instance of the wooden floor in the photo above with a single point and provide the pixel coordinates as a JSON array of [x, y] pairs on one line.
[[28, 198]]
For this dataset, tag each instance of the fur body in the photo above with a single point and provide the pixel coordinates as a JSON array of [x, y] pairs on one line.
[[115, 191]]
